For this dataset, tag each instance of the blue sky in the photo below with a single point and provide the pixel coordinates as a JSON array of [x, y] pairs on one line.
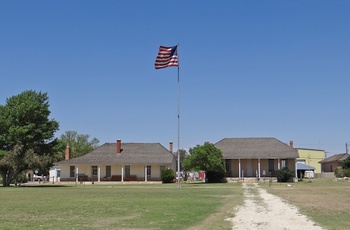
[[247, 68]]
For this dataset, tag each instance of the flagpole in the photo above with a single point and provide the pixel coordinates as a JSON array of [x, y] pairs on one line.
[[178, 117]]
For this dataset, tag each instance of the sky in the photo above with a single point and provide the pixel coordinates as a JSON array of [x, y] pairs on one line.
[[247, 69]]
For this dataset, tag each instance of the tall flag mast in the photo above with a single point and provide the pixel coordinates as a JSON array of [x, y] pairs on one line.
[[167, 57]]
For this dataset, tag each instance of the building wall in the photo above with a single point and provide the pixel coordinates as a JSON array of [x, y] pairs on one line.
[[312, 157], [250, 167], [330, 167], [137, 170], [65, 171]]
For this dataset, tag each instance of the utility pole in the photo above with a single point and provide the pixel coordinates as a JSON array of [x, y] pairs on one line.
[[346, 147]]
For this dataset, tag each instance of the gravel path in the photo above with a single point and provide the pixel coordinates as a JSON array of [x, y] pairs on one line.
[[262, 210]]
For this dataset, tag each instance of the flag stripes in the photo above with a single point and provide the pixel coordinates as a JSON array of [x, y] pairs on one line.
[[167, 56]]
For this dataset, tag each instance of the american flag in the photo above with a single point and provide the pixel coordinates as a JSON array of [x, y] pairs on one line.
[[167, 56]]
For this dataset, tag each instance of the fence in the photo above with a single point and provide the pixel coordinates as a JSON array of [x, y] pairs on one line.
[[325, 175]]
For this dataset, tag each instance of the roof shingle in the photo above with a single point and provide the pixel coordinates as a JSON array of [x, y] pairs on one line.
[[335, 158], [254, 148], [132, 153]]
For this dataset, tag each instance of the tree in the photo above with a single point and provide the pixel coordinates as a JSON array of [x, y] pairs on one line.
[[183, 155], [346, 163], [25, 130], [79, 143], [207, 158]]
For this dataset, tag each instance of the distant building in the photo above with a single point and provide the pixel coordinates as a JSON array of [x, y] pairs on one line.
[[311, 157], [331, 163], [256, 157], [119, 162]]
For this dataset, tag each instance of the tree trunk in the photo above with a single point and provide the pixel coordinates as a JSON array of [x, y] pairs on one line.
[[6, 179]]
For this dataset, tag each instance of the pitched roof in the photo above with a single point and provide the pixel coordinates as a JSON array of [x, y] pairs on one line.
[[254, 148], [335, 158], [132, 153]]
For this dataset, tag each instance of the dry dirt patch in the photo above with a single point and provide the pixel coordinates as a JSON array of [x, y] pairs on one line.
[[262, 210]]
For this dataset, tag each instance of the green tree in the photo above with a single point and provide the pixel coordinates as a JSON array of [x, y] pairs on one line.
[[346, 163], [79, 143], [206, 158], [183, 155], [25, 130]]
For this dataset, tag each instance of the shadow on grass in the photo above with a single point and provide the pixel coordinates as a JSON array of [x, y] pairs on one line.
[[38, 186]]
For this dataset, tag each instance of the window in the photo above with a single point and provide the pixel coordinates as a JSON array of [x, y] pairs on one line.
[[148, 172], [94, 170], [72, 171], [228, 165], [127, 170], [108, 171], [162, 167], [284, 163], [58, 172], [271, 165]]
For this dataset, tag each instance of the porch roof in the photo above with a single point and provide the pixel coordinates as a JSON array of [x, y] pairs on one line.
[[301, 166], [132, 153], [255, 148]]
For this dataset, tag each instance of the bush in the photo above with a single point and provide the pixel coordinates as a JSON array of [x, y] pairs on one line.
[[346, 172], [167, 176], [339, 172], [21, 178], [284, 175], [214, 176]]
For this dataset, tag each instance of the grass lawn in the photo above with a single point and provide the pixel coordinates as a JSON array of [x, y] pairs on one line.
[[325, 201], [118, 206]]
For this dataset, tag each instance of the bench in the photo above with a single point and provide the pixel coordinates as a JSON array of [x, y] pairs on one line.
[[116, 178], [131, 178]]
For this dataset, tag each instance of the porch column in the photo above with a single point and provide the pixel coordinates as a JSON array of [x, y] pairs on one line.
[[239, 168], [122, 179], [145, 172], [259, 167], [296, 170], [99, 173], [279, 164], [76, 174]]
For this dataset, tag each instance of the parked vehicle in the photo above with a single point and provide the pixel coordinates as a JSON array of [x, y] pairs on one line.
[[38, 178]]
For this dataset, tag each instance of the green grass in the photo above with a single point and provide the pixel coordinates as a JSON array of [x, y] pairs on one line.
[[201, 206], [325, 201]]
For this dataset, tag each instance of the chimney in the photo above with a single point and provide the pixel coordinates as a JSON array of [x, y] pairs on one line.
[[291, 144], [67, 154], [119, 145], [171, 146]]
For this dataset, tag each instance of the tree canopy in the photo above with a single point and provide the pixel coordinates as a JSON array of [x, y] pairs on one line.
[[207, 158], [26, 133], [346, 163], [79, 143]]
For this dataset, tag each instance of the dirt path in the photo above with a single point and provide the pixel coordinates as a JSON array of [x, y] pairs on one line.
[[262, 210]]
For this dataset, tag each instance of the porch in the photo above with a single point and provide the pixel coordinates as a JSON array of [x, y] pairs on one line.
[[99, 173], [256, 168]]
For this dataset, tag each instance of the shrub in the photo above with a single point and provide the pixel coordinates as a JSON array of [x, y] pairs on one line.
[[167, 175], [284, 175], [346, 172], [215, 176], [339, 172], [21, 178]]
